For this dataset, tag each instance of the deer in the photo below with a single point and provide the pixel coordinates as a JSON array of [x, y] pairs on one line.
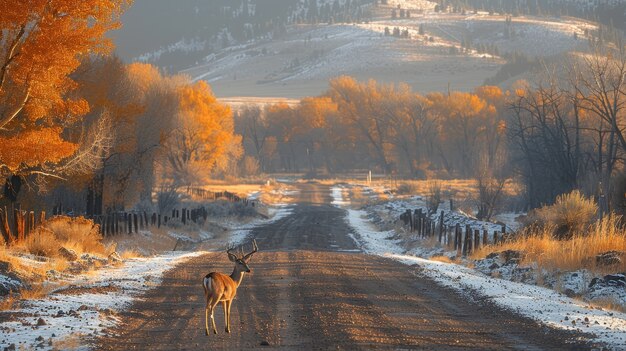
[[222, 288]]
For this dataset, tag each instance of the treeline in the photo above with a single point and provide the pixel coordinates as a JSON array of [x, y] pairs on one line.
[[85, 132], [391, 129], [611, 14], [555, 135]]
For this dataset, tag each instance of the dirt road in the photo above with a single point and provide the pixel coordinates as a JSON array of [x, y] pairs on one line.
[[311, 289]]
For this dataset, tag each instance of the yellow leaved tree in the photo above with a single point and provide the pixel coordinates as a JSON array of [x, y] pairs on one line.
[[203, 139], [41, 43]]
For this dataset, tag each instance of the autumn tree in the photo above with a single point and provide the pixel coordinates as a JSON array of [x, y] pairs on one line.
[[203, 137], [360, 103], [41, 43]]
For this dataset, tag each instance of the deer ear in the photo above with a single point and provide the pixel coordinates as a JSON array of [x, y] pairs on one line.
[[232, 257]]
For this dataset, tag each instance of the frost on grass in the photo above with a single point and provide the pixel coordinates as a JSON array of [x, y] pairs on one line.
[[87, 307]]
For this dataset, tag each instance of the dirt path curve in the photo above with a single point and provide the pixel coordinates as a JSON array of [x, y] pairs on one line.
[[311, 289]]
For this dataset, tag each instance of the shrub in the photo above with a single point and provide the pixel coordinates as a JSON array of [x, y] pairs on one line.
[[433, 196], [406, 189], [167, 199], [571, 213], [79, 234], [42, 242]]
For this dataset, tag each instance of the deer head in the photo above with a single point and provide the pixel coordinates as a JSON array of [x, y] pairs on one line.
[[241, 260]]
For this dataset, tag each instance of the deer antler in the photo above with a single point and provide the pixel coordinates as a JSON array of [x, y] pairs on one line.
[[228, 251], [255, 248]]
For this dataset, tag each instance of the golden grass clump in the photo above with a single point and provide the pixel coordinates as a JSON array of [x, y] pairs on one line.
[[78, 234], [542, 246], [571, 213], [42, 242]]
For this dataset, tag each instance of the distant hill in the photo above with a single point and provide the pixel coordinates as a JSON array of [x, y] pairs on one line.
[[177, 34]]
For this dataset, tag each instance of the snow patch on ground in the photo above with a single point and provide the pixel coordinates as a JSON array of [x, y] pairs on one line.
[[541, 304], [370, 238], [337, 194], [86, 314]]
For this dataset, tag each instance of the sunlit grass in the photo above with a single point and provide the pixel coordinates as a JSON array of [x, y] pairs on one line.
[[540, 245]]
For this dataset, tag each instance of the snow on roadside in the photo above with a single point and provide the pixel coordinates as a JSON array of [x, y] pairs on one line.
[[541, 304], [91, 308], [370, 239], [337, 194]]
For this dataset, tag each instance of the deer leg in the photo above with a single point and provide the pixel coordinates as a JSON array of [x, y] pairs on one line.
[[224, 304], [213, 304], [228, 303], [206, 320]]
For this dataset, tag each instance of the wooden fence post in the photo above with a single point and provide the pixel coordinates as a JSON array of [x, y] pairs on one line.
[[476, 239], [6, 229], [485, 237], [467, 241], [419, 220], [441, 226], [495, 237], [117, 223], [109, 221], [159, 221], [184, 216], [19, 224], [457, 237], [129, 222], [136, 223]]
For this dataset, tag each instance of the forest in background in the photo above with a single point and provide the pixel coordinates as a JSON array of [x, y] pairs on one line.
[[560, 132], [84, 129]]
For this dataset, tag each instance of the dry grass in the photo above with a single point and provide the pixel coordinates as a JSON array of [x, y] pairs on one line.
[[139, 244], [541, 246], [38, 254], [37, 291], [275, 193], [79, 234], [444, 259], [241, 190], [459, 189], [570, 213], [609, 304], [42, 242], [131, 254], [8, 303]]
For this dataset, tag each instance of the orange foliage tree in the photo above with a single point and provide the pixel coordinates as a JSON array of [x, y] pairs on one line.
[[41, 43], [203, 138]]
